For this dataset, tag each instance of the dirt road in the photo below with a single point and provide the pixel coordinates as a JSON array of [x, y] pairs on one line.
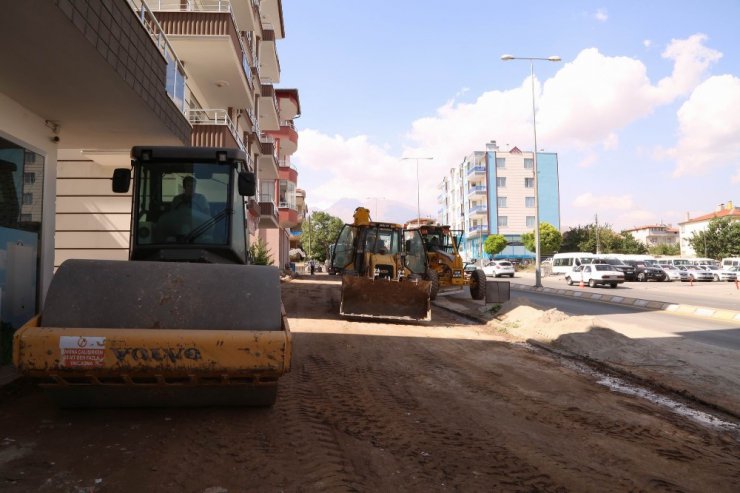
[[445, 406]]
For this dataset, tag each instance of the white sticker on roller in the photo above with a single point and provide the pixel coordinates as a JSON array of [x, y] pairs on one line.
[[82, 352]]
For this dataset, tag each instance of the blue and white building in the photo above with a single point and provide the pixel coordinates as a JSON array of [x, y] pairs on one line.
[[492, 192]]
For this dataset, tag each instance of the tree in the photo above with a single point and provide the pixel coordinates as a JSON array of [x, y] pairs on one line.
[[720, 239], [573, 238], [259, 253], [665, 250], [320, 230], [628, 244], [550, 239], [494, 244]]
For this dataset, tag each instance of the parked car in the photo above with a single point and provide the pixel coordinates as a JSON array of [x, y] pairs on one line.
[[673, 273], [619, 265], [594, 274], [721, 274], [645, 272], [698, 274], [499, 268]]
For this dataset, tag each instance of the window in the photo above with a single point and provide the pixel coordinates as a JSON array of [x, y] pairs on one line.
[[503, 221], [27, 199], [501, 181], [529, 183], [530, 221], [529, 202], [501, 202], [500, 162], [26, 218], [29, 178], [528, 163]]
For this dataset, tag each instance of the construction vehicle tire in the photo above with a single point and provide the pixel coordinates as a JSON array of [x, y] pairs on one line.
[[478, 284], [433, 277]]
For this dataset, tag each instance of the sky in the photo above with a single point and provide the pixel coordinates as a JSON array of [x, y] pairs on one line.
[[643, 111]]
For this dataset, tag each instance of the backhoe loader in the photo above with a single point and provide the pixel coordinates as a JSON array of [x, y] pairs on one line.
[[384, 270], [445, 261], [186, 321]]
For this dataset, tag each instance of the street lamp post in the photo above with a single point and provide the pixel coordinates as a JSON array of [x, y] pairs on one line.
[[537, 268], [418, 207]]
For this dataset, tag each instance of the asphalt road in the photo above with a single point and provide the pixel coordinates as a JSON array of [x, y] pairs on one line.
[[710, 294], [707, 331]]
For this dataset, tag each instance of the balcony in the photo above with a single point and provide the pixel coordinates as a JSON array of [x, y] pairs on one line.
[[287, 139], [479, 190], [88, 61], [206, 35], [267, 112], [289, 104], [478, 210], [478, 230], [267, 162], [477, 170], [214, 128], [269, 61], [269, 215]]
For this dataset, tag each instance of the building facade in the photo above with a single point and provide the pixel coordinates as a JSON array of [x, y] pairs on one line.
[[96, 78], [655, 235], [492, 192], [699, 224]]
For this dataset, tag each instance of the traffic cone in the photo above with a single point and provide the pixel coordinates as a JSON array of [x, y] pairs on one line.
[[580, 284]]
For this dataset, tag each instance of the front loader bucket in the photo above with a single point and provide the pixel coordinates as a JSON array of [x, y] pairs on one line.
[[381, 298]]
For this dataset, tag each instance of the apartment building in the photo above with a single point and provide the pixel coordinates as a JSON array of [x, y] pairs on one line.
[[492, 192], [655, 235], [698, 224], [89, 80]]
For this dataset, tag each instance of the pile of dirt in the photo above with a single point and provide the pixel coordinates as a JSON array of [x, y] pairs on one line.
[[522, 318]]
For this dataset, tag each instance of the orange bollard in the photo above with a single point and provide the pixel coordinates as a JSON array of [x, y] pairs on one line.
[[580, 284]]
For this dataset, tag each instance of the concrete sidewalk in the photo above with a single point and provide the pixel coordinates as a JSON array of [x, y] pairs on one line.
[[707, 374]]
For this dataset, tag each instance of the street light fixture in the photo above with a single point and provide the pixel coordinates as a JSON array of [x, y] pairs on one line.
[[537, 268], [418, 207]]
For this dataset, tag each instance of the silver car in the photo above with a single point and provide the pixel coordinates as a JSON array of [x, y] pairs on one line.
[[698, 274], [673, 273], [499, 268], [721, 274]]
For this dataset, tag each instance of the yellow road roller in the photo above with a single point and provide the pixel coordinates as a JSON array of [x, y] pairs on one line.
[[187, 321], [384, 270]]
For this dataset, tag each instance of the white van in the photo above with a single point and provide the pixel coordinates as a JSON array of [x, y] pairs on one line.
[[705, 261], [728, 262], [562, 263], [678, 262]]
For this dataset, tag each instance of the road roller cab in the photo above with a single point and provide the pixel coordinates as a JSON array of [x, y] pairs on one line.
[[185, 322]]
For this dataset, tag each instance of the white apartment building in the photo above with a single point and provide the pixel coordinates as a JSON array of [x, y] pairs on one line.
[[492, 192], [655, 235], [699, 224], [89, 80]]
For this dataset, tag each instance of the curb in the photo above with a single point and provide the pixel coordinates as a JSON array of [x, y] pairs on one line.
[[679, 309]]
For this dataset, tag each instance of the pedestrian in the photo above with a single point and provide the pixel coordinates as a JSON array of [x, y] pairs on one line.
[[312, 267]]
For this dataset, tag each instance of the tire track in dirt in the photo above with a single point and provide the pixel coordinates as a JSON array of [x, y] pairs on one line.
[[428, 449]]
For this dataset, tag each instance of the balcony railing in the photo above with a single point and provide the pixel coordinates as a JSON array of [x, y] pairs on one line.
[[477, 189], [476, 169], [176, 85], [480, 228], [266, 139], [215, 117], [478, 209]]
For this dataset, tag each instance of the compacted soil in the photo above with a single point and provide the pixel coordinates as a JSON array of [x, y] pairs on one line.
[[446, 405]]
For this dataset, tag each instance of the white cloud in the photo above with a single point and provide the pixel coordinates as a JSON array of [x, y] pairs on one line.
[[647, 43], [601, 15], [709, 128], [600, 203], [582, 107]]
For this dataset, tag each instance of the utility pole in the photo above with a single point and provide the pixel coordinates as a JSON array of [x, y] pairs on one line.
[[598, 250]]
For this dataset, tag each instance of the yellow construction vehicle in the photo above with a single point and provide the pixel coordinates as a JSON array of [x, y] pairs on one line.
[[384, 270], [444, 259], [186, 321]]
